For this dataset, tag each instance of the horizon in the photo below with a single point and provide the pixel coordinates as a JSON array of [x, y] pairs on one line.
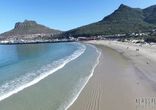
[[58, 19]]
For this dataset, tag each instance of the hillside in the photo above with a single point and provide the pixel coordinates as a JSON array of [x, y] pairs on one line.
[[29, 27], [150, 14], [123, 20]]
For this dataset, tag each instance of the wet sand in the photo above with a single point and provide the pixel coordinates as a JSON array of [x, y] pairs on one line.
[[122, 81]]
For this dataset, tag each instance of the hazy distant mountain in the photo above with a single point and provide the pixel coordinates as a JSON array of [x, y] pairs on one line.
[[123, 20], [29, 27]]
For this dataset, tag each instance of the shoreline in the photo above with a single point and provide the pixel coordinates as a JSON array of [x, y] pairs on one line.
[[88, 78], [40, 42], [67, 60], [136, 86], [48, 86]]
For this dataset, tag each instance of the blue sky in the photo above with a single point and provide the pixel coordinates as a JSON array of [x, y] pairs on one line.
[[60, 14]]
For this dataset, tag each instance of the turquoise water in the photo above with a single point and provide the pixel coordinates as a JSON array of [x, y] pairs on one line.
[[22, 66]]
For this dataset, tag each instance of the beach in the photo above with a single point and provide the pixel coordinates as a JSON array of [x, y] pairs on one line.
[[52, 87], [124, 79], [103, 75]]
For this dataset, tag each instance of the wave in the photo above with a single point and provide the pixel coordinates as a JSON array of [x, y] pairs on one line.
[[12, 87], [79, 87]]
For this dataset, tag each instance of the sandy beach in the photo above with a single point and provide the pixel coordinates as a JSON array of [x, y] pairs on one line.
[[124, 79]]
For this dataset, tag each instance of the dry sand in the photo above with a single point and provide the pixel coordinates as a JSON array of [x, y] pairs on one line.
[[125, 79]]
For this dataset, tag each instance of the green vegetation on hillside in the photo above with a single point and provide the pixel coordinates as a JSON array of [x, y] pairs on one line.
[[150, 39], [123, 20]]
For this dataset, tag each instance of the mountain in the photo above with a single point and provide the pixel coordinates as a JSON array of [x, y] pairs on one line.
[[150, 14], [123, 20], [29, 27]]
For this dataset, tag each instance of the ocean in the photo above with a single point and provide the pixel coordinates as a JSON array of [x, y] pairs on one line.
[[44, 76]]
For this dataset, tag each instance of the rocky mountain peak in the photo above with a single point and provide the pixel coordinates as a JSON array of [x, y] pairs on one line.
[[26, 23]]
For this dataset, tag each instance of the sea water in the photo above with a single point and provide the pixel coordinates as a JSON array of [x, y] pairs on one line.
[[44, 76]]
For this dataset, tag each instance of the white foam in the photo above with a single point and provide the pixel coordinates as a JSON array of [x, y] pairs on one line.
[[21, 83], [85, 83]]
